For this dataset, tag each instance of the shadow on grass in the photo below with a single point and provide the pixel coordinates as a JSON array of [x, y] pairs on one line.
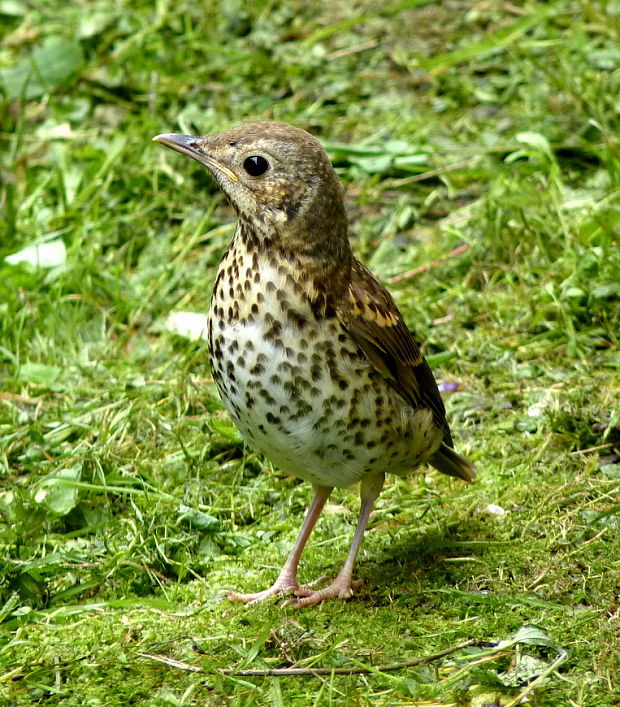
[[421, 562]]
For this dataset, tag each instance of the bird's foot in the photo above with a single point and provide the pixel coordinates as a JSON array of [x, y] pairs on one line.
[[341, 588], [280, 586]]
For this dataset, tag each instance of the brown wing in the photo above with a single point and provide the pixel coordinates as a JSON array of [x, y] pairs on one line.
[[371, 317]]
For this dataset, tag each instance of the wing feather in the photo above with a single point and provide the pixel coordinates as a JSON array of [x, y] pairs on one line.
[[371, 317]]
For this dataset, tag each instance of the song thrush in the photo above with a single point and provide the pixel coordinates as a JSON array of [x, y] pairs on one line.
[[309, 352]]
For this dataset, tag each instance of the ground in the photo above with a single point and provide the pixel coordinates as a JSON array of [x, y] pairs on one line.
[[478, 143]]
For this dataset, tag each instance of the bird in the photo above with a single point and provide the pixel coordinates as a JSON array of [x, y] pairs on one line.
[[311, 357]]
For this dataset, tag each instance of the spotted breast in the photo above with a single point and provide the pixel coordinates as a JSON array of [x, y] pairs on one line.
[[298, 387]]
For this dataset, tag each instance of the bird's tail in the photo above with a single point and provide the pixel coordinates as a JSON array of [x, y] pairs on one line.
[[449, 462]]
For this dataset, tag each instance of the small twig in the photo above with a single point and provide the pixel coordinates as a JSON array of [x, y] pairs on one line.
[[166, 660], [280, 672], [351, 50], [423, 268], [430, 174], [592, 449], [587, 542], [537, 580]]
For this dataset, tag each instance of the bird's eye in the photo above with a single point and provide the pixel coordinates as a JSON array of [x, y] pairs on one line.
[[255, 165]]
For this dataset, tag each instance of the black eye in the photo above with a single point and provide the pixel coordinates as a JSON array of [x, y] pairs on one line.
[[255, 165]]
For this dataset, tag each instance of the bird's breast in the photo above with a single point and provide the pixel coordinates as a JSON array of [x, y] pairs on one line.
[[298, 387]]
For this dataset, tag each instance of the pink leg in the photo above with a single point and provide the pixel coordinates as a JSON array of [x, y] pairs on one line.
[[288, 575], [342, 586]]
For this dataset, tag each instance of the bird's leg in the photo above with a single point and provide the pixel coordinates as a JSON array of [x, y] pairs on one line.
[[288, 574], [342, 586]]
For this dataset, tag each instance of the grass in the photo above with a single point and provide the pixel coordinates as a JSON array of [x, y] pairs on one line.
[[127, 499]]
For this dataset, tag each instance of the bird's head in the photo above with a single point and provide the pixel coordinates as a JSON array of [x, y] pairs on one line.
[[278, 178]]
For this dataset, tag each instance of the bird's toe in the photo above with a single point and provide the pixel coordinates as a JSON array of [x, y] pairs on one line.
[[275, 590], [336, 590]]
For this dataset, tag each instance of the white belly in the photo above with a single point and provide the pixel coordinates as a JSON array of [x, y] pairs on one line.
[[283, 396]]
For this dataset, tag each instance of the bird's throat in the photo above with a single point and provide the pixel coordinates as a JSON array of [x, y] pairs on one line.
[[320, 268]]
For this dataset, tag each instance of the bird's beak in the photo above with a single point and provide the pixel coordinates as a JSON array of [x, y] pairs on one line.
[[192, 147]]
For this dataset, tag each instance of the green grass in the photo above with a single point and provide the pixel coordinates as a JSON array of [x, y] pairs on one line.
[[127, 499]]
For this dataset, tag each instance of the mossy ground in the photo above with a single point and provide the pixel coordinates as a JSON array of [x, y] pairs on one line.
[[127, 500]]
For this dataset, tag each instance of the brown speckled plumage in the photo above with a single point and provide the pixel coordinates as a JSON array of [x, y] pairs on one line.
[[310, 354]]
